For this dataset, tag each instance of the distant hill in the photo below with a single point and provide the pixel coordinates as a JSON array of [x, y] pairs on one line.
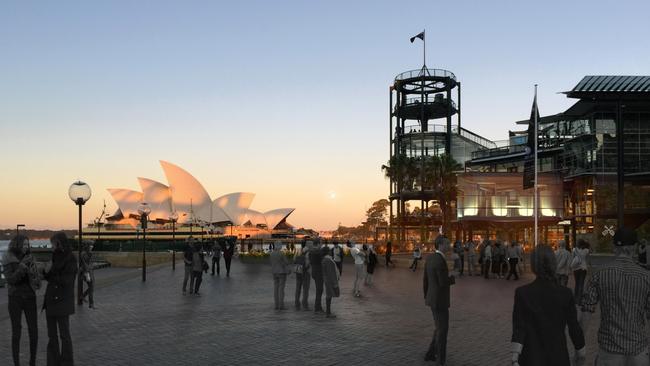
[[7, 234]]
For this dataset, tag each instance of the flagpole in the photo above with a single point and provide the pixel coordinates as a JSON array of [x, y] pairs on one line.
[[536, 199], [424, 53]]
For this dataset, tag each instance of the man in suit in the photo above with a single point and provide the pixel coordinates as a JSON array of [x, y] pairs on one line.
[[436, 287]]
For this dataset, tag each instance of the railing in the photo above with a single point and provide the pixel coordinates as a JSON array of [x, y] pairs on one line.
[[498, 151], [479, 140], [427, 72], [417, 101]]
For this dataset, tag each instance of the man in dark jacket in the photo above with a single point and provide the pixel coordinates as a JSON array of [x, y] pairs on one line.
[[330, 279], [227, 255], [18, 264], [315, 260], [436, 285], [59, 301]]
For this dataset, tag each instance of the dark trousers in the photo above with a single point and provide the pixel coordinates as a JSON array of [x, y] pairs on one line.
[[487, 264], [513, 268], [388, 261], [59, 328], [18, 305], [195, 282], [339, 265], [227, 260], [580, 276], [438, 346], [318, 302], [462, 264], [414, 265], [302, 285], [328, 304], [279, 282], [216, 260]]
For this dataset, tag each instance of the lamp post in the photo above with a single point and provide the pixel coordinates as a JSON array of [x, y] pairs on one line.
[[79, 192], [173, 218], [144, 211], [18, 228]]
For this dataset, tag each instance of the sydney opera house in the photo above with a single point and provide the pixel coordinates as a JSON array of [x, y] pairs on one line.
[[186, 204]]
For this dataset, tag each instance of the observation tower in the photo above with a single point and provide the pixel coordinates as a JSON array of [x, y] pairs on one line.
[[424, 131]]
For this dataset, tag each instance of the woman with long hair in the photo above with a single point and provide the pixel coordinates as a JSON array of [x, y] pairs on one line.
[[60, 274], [542, 311], [19, 270]]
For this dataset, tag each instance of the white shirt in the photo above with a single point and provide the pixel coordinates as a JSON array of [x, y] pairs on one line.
[[356, 254]]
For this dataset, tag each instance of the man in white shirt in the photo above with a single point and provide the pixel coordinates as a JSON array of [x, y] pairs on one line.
[[359, 259]]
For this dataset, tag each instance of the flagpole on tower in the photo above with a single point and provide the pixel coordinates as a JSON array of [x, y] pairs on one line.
[[424, 50]]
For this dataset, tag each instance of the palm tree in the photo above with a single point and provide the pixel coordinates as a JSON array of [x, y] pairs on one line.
[[447, 191]]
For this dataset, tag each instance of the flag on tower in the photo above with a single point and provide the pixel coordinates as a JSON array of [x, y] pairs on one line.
[[419, 35]]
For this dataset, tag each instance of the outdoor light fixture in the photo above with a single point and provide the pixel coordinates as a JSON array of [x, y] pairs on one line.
[[79, 192], [144, 210], [173, 217]]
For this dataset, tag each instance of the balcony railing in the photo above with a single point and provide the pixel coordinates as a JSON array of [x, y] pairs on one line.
[[427, 72]]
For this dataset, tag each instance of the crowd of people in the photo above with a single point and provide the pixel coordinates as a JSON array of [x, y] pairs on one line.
[[542, 311]]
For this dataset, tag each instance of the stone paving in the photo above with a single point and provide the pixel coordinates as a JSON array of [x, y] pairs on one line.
[[233, 322]]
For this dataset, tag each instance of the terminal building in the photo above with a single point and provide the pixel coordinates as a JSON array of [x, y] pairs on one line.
[[579, 152]]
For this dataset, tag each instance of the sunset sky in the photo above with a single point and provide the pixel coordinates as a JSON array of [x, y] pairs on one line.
[[287, 99]]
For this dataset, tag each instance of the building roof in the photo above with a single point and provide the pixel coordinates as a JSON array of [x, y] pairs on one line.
[[601, 85]]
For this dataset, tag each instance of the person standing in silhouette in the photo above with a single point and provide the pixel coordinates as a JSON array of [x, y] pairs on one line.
[[389, 254], [59, 303], [187, 260], [280, 269], [227, 256], [315, 261], [331, 281], [88, 275]]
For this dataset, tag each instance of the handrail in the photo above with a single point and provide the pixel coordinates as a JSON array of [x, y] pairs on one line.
[[436, 128], [417, 101], [427, 72]]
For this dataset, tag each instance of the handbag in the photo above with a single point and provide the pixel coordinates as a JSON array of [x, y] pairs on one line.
[[298, 268]]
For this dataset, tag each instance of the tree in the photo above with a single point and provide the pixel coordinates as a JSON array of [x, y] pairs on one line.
[[377, 214]]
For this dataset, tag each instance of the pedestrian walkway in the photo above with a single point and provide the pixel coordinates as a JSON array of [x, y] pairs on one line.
[[234, 323]]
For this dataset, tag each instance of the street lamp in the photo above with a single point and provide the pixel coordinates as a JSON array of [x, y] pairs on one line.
[[173, 217], [18, 226], [144, 211], [79, 192]]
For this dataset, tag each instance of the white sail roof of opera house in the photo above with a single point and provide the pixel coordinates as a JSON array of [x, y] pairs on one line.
[[185, 195]]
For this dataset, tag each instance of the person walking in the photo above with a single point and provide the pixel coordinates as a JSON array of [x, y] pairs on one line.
[[370, 266], [216, 258], [315, 262], [436, 286], [417, 255], [460, 252], [359, 259], [302, 276], [498, 258], [541, 313], [337, 256], [389, 254], [622, 288], [59, 301], [513, 260], [22, 282], [187, 260], [279, 269], [88, 275], [579, 268], [198, 266], [470, 251], [487, 258], [228, 253], [306, 276], [331, 277], [563, 259]]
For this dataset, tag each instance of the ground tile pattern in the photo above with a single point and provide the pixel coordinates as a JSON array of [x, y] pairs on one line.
[[234, 323]]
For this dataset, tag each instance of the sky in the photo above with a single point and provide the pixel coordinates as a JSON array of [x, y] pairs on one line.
[[287, 99]]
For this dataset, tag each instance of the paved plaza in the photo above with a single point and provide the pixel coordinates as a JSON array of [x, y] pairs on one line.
[[233, 322]]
